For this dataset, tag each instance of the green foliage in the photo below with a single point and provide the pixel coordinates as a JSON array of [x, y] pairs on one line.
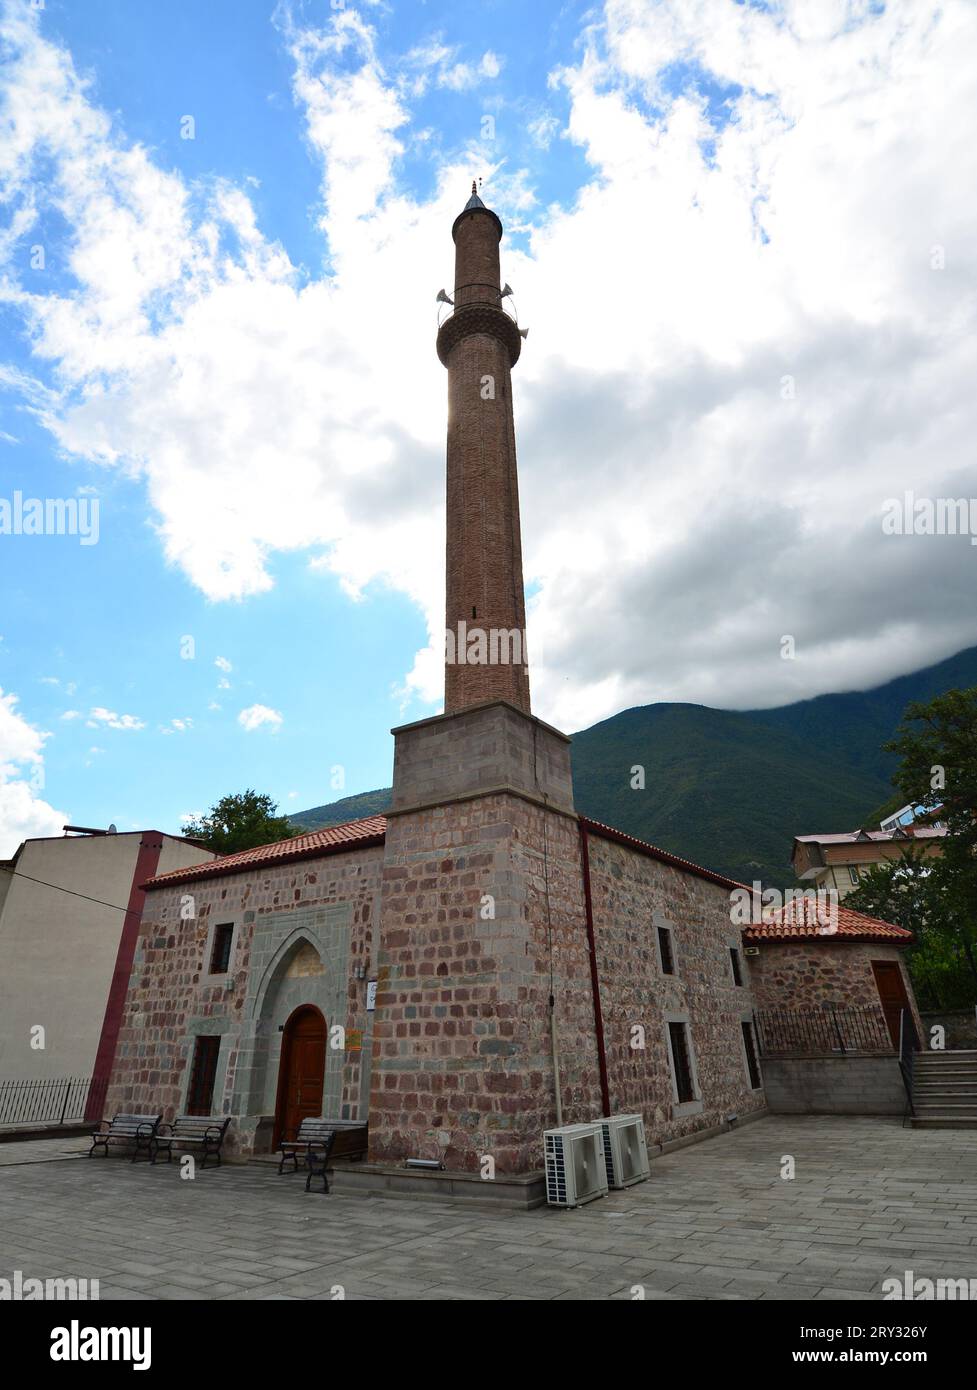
[[903, 891], [937, 748], [897, 891], [243, 820]]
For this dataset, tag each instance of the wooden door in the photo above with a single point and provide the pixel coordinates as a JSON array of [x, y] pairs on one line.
[[302, 1071], [892, 994]]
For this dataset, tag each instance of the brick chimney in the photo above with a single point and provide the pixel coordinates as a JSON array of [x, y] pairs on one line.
[[479, 343]]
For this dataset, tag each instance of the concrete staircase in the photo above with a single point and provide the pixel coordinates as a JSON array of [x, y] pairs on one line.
[[945, 1090]]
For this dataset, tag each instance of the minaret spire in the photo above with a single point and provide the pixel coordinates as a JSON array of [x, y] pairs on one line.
[[485, 610]]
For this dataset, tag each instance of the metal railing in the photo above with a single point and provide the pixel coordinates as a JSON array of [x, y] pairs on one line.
[[58, 1101], [805, 1032], [907, 1047]]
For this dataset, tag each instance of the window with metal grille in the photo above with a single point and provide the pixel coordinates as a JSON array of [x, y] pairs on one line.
[[752, 1065], [220, 955], [681, 1063], [853, 873], [734, 960], [665, 951], [203, 1073]]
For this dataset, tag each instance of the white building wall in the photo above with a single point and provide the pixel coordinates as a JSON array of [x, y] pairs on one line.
[[58, 948]]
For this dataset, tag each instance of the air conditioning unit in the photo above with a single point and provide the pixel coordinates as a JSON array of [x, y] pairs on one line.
[[575, 1171], [625, 1150]]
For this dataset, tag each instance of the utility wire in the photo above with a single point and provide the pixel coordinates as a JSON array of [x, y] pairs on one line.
[[58, 888]]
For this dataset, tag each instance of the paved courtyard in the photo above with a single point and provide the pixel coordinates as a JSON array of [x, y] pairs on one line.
[[715, 1221]]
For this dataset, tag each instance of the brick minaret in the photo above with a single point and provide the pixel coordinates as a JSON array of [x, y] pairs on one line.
[[479, 344], [483, 969]]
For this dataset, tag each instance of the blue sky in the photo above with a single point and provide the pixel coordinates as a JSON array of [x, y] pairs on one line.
[[230, 346]]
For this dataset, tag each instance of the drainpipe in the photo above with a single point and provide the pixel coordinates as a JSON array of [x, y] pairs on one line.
[[556, 1064], [605, 1094]]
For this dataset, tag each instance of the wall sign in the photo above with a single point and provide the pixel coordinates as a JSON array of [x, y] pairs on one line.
[[371, 995]]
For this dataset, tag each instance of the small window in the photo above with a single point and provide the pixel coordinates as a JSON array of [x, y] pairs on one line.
[[203, 1073], [752, 1065], [734, 960], [220, 956], [681, 1063], [853, 873], [665, 951]]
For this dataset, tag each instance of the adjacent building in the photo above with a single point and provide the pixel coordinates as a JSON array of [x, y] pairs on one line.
[[838, 861], [70, 907]]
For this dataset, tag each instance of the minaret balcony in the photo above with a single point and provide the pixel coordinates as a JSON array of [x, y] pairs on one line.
[[494, 320]]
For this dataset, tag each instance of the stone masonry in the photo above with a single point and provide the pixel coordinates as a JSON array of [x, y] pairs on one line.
[[299, 931], [812, 974]]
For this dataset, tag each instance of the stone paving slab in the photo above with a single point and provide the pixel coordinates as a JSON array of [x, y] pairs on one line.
[[715, 1221]]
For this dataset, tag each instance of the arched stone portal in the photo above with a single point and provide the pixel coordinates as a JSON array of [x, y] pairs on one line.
[[295, 965]]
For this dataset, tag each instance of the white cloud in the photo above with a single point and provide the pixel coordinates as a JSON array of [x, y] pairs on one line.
[[679, 516], [256, 715], [110, 720], [70, 714], [223, 664], [23, 813], [176, 726]]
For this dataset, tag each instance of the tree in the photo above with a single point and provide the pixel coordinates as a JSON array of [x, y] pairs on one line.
[[901, 891], [937, 748], [240, 821]]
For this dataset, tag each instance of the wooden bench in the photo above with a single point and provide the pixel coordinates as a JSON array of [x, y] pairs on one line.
[[206, 1130], [138, 1130], [313, 1135], [349, 1139]]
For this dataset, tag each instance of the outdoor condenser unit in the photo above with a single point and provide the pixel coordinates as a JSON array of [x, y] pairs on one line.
[[625, 1150], [575, 1171]]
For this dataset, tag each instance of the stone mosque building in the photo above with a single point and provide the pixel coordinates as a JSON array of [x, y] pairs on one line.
[[482, 963]]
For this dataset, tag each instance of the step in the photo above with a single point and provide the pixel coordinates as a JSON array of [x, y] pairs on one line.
[[944, 1089], [944, 1108], [941, 1122]]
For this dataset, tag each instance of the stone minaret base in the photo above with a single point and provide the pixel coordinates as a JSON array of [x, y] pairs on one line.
[[482, 825]]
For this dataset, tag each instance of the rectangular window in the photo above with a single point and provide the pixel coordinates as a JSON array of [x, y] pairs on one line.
[[853, 873], [665, 951], [678, 1037], [220, 955], [203, 1073], [752, 1065], [734, 960]]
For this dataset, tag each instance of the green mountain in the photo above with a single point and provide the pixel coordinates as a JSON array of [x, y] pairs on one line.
[[731, 788]]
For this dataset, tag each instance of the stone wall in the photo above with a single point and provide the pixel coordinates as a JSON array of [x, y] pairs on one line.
[[299, 929], [462, 1056], [633, 895], [960, 1025], [846, 1085], [830, 970]]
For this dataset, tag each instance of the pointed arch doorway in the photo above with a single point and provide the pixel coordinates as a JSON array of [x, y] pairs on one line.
[[301, 1072]]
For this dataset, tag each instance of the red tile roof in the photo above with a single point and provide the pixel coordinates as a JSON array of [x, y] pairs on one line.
[[789, 923], [312, 844], [793, 923]]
